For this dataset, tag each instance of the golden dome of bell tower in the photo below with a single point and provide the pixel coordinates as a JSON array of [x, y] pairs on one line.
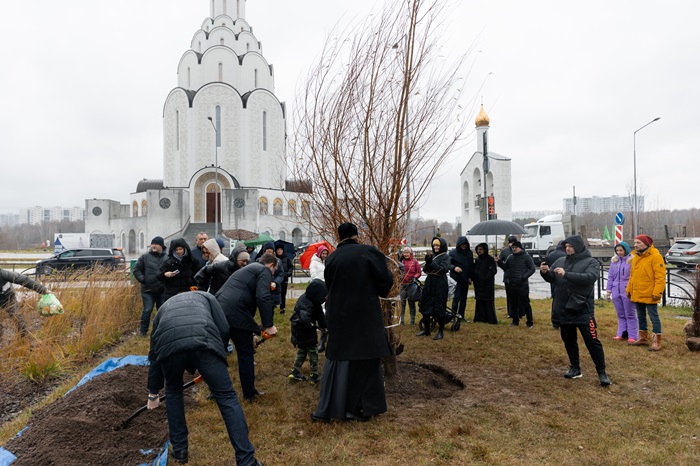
[[482, 119]]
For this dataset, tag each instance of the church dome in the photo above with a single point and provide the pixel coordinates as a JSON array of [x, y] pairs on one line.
[[482, 119]]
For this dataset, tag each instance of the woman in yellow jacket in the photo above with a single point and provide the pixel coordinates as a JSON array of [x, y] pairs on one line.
[[645, 288]]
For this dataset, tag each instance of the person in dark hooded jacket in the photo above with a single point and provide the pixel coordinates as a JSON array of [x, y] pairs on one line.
[[518, 268], [549, 260], [213, 276], [278, 274], [483, 276], [461, 265], [307, 317], [575, 276], [245, 291], [433, 303], [288, 267], [179, 269]]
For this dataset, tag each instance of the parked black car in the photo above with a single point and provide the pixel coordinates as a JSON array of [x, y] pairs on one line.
[[82, 258]]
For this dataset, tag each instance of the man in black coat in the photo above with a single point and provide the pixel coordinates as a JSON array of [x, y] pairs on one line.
[[461, 266], [243, 292], [548, 261], [352, 386], [574, 277], [147, 273], [502, 256], [189, 333], [518, 268]]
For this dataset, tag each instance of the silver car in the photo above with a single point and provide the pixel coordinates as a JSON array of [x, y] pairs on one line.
[[684, 253]]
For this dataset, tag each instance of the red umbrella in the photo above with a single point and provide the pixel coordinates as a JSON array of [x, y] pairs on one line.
[[305, 258]]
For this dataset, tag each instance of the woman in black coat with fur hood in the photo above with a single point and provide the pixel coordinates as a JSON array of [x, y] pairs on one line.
[[179, 269], [483, 277]]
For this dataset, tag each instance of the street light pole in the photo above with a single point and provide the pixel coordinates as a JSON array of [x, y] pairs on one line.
[[216, 177], [634, 148]]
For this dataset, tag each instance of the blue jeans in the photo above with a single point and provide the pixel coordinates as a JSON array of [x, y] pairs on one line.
[[149, 299], [653, 309], [215, 374]]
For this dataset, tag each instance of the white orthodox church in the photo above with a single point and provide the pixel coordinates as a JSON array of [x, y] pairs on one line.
[[497, 189], [224, 149]]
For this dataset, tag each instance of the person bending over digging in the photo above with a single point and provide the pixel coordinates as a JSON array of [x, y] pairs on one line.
[[190, 333], [8, 299]]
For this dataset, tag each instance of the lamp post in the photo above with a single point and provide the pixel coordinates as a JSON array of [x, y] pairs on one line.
[[636, 206], [216, 177]]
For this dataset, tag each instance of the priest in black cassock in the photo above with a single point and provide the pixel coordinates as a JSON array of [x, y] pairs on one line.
[[352, 387]]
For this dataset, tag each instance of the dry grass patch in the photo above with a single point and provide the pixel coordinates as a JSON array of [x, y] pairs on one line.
[[515, 408]]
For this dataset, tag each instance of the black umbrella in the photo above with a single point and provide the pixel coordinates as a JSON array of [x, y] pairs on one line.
[[288, 248], [496, 227]]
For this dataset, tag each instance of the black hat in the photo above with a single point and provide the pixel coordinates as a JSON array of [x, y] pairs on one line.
[[346, 230], [512, 239], [517, 244], [159, 241]]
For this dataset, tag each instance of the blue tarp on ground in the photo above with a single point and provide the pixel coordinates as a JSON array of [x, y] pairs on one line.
[[6, 458]]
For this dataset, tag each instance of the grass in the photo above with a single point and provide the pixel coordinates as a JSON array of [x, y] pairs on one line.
[[516, 407]]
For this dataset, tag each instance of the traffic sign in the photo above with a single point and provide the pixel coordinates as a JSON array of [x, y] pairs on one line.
[[619, 219]]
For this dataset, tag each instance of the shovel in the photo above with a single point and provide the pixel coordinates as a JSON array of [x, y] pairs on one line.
[[143, 408]]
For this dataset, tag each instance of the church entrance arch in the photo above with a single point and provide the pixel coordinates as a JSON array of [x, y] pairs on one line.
[[213, 203], [207, 195]]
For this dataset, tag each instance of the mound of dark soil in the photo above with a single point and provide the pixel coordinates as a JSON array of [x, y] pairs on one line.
[[83, 427], [421, 381]]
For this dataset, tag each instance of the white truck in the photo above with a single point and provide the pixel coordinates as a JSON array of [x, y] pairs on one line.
[[544, 235]]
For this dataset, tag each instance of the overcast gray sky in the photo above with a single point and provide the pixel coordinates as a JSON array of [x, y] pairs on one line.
[[84, 83]]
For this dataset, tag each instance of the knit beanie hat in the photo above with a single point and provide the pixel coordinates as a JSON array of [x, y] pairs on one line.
[[517, 244], [512, 239], [646, 239], [346, 230], [159, 241], [625, 246]]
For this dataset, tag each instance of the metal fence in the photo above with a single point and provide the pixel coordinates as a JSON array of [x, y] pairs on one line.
[[680, 285]]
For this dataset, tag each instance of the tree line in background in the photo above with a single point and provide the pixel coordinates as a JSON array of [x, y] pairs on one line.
[[659, 224], [26, 236]]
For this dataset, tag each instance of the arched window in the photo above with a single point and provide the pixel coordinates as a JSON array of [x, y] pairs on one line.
[[255, 80], [142, 241], [221, 41], [292, 207], [262, 206], [135, 209], [221, 71], [247, 47], [144, 208], [282, 235], [305, 209], [189, 77], [277, 207], [200, 47]]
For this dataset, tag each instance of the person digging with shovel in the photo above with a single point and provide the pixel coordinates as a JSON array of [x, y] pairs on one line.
[[190, 332]]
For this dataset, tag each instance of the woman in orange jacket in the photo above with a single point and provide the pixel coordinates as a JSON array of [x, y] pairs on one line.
[[645, 288]]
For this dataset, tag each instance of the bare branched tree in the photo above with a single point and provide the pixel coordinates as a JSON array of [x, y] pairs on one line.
[[377, 117]]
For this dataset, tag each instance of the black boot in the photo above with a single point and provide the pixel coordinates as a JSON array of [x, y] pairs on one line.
[[426, 328], [439, 335]]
